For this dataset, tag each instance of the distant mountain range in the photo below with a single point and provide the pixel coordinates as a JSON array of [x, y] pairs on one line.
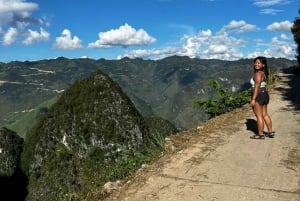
[[165, 88]]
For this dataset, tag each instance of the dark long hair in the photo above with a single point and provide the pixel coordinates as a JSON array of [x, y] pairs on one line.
[[263, 60]]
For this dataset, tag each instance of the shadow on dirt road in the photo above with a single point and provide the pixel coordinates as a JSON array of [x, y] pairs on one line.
[[293, 92]]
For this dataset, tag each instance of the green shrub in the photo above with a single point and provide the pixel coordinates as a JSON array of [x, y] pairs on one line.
[[225, 101]]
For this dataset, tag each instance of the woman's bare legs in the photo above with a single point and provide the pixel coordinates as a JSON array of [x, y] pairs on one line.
[[258, 111], [267, 119]]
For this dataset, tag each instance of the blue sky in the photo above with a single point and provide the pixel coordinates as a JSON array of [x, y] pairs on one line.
[[149, 29]]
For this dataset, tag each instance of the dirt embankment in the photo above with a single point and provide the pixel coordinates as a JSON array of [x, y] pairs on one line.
[[218, 161]]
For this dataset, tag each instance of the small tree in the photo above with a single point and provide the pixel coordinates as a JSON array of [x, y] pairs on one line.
[[225, 101], [296, 33]]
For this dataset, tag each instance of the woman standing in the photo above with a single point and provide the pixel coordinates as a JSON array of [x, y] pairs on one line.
[[260, 98]]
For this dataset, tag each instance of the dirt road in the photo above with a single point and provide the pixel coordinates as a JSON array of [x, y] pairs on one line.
[[219, 162]]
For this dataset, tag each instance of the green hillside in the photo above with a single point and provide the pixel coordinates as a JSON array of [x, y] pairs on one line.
[[165, 88], [91, 135]]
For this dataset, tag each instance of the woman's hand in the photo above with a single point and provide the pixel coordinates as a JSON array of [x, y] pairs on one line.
[[252, 102]]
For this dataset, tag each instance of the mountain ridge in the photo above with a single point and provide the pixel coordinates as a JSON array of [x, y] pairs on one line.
[[164, 88]]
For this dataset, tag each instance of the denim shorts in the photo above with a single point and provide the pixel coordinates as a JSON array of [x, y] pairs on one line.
[[262, 96]]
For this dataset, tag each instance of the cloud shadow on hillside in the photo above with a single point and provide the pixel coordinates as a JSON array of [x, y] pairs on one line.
[[292, 93]]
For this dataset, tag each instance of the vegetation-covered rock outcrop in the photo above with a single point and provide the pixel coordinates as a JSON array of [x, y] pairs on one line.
[[10, 151], [91, 135]]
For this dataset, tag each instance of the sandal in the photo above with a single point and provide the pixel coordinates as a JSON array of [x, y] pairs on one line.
[[271, 134], [259, 137]]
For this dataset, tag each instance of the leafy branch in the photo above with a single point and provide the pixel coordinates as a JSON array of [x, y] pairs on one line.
[[225, 101]]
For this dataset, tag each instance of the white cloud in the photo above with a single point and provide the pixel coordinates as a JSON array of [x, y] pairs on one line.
[[265, 53], [278, 47], [16, 6], [281, 48], [266, 3], [10, 36], [222, 45], [205, 45], [284, 37], [15, 17], [191, 46], [205, 34], [17, 13], [281, 26], [151, 54], [35, 36], [238, 27], [259, 41], [270, 11], [123, 36], [217, 49], [66, 41]]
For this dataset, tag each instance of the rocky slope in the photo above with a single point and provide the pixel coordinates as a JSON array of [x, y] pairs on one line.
[[10, 151], [92, 134]]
